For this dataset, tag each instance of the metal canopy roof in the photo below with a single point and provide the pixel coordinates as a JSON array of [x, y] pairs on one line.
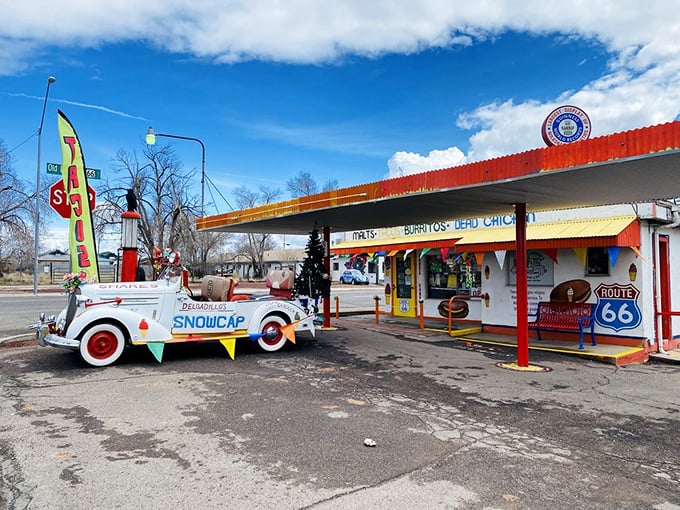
[[633, 166]]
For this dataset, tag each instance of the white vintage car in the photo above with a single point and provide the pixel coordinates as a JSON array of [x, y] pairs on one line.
[[102, 319]]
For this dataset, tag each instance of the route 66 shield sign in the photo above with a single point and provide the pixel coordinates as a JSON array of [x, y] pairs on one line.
[[617, 306]]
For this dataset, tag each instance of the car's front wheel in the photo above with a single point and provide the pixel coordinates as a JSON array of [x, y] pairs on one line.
[[273, 338], [102, 345]]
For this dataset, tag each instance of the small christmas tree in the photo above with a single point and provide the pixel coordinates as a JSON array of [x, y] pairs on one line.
[[313, 280]]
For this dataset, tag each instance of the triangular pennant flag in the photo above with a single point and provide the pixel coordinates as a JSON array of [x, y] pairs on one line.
[[371, 255], [406, 253], [500, 257], [444, 251], [552, 253], [254, 337], [613, 252], [156, 349], [637, 252], [479, 257], [424, 251], [288, 331], [581, 254], [392, 253], [230, 346]]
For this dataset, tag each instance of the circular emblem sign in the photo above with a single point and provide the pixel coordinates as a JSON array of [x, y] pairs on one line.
[[565, 124]]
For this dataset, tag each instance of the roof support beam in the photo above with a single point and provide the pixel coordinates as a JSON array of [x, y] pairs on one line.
[[521, 282]]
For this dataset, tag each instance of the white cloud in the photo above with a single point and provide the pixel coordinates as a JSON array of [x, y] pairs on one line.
[[84, 105], [641, 88], [405, 163], [618, 101], [324, 30]]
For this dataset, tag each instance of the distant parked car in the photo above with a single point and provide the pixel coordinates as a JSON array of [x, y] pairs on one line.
[[354, 276]]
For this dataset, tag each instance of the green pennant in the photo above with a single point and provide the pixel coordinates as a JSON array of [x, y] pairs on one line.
[[156, 349]]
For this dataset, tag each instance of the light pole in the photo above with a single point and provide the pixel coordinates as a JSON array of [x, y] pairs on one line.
[[151, 140], [50, 81]]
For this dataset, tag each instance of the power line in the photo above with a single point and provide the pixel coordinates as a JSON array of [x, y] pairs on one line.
[[207, 178], [22, 143]]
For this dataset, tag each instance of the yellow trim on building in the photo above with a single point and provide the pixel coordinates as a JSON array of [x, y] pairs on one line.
[[568, 229]]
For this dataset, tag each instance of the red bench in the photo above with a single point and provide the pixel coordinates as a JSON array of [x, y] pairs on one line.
[[564, 317]]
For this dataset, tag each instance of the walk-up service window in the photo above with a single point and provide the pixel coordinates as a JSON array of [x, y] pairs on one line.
[[455, 275], [597, 262]]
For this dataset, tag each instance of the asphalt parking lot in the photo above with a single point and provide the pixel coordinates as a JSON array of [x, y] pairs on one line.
[[288, 430]]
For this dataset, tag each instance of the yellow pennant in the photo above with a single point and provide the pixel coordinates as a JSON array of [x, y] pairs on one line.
[[230, 346], [581, 254]]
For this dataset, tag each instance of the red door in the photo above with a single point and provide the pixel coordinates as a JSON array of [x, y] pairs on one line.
[[665, 285]]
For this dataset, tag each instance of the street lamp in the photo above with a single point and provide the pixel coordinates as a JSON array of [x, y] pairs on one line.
[[151, 140], [50, 81]]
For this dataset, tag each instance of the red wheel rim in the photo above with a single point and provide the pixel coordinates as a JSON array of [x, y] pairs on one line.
[[102, 345], [277, 338]]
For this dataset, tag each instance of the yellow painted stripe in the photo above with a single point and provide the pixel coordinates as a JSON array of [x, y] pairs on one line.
[[593, 227], [456, 332], [554, 349], [629, 352], [176, 339]]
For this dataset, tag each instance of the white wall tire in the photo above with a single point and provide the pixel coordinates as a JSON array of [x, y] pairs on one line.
[[102, 345], [274, 339]]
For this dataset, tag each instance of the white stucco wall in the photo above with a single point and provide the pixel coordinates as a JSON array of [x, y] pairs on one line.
[[617, 311]]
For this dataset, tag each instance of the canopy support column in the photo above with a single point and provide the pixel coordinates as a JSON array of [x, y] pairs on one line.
[[327, 265], [521, 285]]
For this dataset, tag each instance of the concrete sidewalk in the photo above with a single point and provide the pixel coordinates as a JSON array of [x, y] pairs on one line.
[[435, 332]]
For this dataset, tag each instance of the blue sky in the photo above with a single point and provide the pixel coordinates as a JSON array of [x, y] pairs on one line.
[[355, 91]]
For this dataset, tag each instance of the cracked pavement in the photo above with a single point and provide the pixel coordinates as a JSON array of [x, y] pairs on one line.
[[287, 430]]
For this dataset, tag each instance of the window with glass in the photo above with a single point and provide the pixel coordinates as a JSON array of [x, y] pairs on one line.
[[404, 277], [454, 275], [597, 262]]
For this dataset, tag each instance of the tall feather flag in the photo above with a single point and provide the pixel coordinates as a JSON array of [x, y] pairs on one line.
[[81, 232]]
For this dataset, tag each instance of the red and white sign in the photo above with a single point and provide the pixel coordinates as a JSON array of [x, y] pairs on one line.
[[565, 124], [59, 201]]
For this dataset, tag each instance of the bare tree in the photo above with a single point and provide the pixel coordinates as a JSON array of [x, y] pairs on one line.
[[17, 213], [167, 207], [329, 185], [199, 247], [163, 190], [303, 184], [253, 246]]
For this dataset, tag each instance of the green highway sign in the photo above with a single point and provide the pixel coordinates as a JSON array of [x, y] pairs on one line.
[[54, 168], [92, 173]]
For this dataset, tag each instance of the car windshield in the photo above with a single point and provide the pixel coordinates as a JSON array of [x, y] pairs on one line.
[[174, 273]]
